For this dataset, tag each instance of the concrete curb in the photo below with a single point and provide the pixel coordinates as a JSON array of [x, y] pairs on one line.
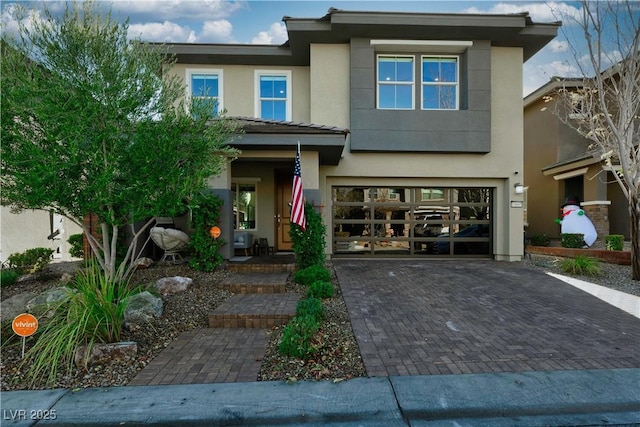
[[593, 397]]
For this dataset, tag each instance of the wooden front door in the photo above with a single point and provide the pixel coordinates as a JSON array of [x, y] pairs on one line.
[[284, 181]]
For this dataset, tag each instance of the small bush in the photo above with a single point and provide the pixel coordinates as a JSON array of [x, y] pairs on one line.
[[614, 242], [31, 260], [572, 240], [540, 240], [308, 275], [581, 265], [310, 307], [8, 277], [77, 246], [309, 245], [297, 336], [320, 289]]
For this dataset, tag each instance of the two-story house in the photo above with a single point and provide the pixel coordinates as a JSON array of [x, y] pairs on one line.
[[559, 164], [410, 128]]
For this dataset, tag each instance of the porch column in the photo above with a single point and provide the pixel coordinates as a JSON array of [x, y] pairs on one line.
[[221, 187], [598, 213], [310, 165]]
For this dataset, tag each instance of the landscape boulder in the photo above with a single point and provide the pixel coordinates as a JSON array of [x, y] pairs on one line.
[[103, 354], [15, 305], [47, 301], [173, 285], [142, 307]]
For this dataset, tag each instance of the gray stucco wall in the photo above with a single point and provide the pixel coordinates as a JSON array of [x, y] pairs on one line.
[[465, 130]]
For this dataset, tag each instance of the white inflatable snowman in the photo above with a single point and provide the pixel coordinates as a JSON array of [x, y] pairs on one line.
[[575, 221]]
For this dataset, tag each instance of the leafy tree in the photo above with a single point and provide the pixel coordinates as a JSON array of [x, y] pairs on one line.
[[92, 124], [605, 108]]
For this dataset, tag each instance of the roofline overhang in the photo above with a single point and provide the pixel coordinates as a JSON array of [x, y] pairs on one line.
[[328, 146], [339, 26]]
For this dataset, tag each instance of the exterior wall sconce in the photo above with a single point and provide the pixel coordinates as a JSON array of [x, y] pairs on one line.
[[519, 188]]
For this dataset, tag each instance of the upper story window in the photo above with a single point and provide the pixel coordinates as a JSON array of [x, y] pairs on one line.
[[273, 95], [396, 83], [205, 85], [440, 88]]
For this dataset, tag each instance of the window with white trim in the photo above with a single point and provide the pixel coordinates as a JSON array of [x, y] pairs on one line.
[[395, 88], [273, 95], [440, 83], [205, 86]]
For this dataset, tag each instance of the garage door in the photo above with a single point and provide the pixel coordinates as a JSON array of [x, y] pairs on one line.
[[414, 221]]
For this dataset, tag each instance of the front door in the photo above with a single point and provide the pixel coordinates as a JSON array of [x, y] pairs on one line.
[[283, 209]]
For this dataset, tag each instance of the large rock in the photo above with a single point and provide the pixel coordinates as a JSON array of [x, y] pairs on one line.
[[46, 302], [141, 308], [173, 285], [103, 354], [15, 305]]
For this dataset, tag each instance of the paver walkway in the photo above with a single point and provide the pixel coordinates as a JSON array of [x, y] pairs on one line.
[[231, 350], [451, 317]]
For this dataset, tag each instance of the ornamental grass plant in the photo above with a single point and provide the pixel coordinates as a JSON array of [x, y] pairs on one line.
[[92, 312], [581, 265]]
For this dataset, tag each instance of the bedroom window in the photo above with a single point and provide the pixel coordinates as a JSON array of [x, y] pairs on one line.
[[205, 87], [395, 82], [440, 87], [273, 95]]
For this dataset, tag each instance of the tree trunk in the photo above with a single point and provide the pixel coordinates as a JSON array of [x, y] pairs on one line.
[[634, 208]]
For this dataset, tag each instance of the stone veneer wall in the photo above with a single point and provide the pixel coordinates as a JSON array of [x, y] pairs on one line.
[[598, 213]]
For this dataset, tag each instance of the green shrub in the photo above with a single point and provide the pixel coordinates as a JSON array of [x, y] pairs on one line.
[[310, 307], [540, 240], [572, 240], [31, 260], [581, 265], [297, 336], [308, 275], [8, 276], [614, 242], [309, 245], [320, 289], [92, 313], [205, 208], [77, 245]]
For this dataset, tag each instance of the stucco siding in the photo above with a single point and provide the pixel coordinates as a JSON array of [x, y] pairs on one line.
[[30, 229]]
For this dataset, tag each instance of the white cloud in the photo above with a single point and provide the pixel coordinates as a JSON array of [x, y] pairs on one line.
[[162, 32], [539, 11], [13, 15], [558, 46], [146, 10], [277, 34], [216, 32]]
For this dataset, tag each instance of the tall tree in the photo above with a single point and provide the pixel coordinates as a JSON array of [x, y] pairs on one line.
[[91, 124], [604, 106]]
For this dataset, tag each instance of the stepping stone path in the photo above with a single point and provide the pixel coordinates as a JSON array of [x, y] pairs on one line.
[[231, 350]]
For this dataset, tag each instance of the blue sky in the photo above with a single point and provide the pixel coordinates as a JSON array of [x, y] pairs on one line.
[[260, 22]]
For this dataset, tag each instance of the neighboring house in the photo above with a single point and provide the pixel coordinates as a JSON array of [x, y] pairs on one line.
[[410, 129], [35, 229], [559, 164]]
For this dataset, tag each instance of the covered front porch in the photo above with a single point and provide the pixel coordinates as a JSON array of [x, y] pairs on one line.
[[256, 186]]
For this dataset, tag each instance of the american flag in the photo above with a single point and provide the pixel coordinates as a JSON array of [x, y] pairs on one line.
[[297, 198]]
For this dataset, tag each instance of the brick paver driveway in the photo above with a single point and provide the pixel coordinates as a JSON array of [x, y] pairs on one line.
[[448, 317]]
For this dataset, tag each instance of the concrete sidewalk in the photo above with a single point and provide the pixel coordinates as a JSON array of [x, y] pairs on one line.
[[592, 397]]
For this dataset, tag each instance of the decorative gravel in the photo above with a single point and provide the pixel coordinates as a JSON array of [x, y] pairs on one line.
[[337, 356], [613, 276]]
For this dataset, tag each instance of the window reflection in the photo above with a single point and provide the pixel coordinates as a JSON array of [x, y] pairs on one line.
[[244, 206], [413, 221]]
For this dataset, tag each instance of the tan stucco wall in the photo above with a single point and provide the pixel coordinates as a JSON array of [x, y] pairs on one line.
[[30, 229], [495, 169], [239, 88], [330, 80]]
